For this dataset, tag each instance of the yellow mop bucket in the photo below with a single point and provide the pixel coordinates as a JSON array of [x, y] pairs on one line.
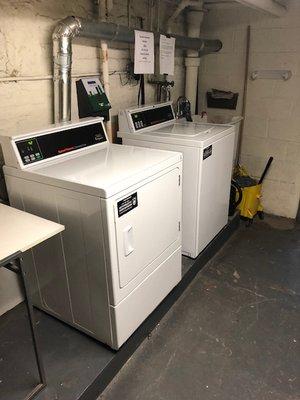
[[250, 205]]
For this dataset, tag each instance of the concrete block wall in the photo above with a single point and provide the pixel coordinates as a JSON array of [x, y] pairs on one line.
[[26, 51], [272, 123]]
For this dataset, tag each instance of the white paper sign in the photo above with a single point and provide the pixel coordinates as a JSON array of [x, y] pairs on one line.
[[166, 55], [144, 52]]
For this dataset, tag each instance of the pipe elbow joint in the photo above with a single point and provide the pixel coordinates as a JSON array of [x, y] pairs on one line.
[[68, 27]]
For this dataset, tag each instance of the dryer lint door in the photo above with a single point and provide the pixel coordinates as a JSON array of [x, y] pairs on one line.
[[147, 222]]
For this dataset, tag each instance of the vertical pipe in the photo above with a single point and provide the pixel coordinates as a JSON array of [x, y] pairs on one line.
[[103, 10], [105, 75], [192, 61], [62, 56], [62, 64]]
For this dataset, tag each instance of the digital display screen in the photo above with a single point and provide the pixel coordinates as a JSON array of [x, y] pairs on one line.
[[154, 116], [29, 151], [56, 143]]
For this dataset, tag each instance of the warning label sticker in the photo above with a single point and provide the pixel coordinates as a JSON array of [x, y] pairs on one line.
[[127, 204], [207, 152]]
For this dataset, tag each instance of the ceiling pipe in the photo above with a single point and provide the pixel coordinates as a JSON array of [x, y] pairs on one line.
[[268, 6], [72, 27]]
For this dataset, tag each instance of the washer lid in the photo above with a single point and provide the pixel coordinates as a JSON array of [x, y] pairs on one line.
[[186, 129], [106, 171], [183, 133]]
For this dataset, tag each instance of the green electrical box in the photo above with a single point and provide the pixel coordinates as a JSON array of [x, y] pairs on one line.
[[91, 99]]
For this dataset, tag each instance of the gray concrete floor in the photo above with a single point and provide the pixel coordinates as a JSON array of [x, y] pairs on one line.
[[234, 333]]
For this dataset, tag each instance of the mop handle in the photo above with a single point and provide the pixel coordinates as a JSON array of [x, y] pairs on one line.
[[265, 170]]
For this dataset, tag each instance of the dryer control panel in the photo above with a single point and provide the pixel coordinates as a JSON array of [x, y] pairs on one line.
[[56, 140], [49, 145]]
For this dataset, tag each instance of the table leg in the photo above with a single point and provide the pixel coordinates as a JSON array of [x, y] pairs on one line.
[[29, 306]]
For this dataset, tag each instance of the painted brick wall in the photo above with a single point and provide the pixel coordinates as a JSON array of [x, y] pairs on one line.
[[26, 50], [272, 124]]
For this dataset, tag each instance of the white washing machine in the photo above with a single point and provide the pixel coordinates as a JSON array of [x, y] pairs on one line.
[[120, 254], [207, 165]]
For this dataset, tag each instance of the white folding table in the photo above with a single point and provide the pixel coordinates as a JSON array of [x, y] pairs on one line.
[[19, 232]]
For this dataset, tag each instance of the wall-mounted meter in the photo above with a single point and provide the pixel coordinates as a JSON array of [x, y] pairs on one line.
[[91, 98]]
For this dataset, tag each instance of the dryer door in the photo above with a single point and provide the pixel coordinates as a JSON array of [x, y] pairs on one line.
[[147, 222]]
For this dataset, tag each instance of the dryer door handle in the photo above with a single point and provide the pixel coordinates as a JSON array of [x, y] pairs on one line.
[[128, 240]]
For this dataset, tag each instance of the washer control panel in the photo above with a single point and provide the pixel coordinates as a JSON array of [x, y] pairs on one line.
[[151, 117]]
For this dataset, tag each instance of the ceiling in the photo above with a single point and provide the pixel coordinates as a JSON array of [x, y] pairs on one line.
[[273, 7]]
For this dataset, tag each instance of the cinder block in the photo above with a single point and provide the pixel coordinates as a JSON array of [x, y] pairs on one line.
[[264, 147], [293, 154], [211, 80], [288, 89], [283, 171], [224, 64], [269, 107], [256, 126], [280, 199], [285, 129], [274, 40], [259, 89], [240, 41]]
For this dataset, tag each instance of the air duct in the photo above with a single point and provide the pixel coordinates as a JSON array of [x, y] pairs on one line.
[[71, 27]]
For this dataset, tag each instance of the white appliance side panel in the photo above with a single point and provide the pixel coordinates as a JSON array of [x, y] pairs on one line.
[[136, 307], [8, 151], [191, 156], [70, 268], [84, 254], [45, 264], [151, 227], [214, 191]]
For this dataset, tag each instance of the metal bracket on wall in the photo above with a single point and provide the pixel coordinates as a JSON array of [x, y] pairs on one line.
[[271, 74]]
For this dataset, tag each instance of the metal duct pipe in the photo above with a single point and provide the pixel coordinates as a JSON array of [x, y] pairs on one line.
[[62, 37], [72, 27]]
